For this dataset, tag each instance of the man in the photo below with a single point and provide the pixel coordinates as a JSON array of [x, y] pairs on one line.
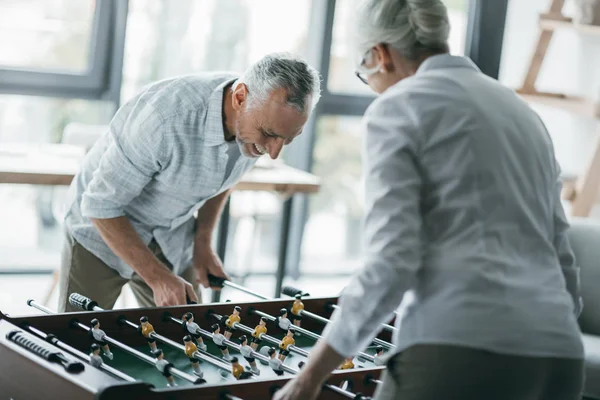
[[174, 150]]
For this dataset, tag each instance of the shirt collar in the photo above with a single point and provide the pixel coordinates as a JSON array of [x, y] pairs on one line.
[[214, 134], [443, 61]]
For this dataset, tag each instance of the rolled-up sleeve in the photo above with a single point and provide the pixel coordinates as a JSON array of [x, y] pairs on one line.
[[136, 152], [392, 228]]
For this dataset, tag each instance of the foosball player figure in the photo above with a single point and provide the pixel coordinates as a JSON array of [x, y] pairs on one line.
[[164, 367], [231, 321], [286, 342], [378, 357], [259, 330], [247, 353], [146, 329], [347, 364], [238, 371], [274, 362], [95, 358], [282, 321], [98, 335], [190, 351], [296, 311], [219, 340], [192, 328]]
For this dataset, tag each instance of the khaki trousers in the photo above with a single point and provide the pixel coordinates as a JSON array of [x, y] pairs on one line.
[[84, 273], [434, 372]]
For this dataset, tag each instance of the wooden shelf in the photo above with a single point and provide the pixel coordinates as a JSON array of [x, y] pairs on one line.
[[550, 24], [576, 105]]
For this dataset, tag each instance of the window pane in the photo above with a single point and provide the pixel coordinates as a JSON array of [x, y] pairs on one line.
[[342, 63], [332, 238], [174, 37], [46, 34]]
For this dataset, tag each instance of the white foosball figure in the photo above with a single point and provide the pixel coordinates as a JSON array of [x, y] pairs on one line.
[[95, 358], [282, 321], [219, 339], [247, 353], [192, 328], [274, 362], [98, 335]]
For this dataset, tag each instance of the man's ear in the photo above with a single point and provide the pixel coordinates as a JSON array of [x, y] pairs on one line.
[[240, 94]]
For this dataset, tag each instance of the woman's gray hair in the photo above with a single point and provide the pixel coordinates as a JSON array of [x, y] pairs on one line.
[[413, 27], [282, 71]]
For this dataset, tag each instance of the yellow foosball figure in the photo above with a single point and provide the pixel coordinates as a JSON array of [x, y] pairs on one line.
[[286, 342], [259, 330], [296, 311], [190, 351], [238, 371], [231, 321], [146, 329], [347, 364]]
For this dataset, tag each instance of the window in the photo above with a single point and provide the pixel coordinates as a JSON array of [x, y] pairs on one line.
[[332, 238], [342, 61], [46, 34], [174, 37]]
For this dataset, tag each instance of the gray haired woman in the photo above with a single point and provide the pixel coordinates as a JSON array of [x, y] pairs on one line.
[[463, 211]]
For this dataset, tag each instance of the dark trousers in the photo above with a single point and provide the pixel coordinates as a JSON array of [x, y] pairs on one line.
[[436, 372]]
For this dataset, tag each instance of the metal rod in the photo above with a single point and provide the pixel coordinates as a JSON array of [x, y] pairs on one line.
[[244, 289], [307, 332], [199, 354], [122, 346], [268, 338], [79, 354]]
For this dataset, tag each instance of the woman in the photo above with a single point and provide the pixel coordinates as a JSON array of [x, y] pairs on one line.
[[463, 211]]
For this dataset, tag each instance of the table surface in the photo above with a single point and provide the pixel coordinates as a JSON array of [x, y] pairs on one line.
[[57, 164]]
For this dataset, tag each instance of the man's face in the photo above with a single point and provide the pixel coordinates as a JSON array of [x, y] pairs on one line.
[[266, 128]]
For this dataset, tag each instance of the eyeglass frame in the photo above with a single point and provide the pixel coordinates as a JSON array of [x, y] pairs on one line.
[[365, 71]]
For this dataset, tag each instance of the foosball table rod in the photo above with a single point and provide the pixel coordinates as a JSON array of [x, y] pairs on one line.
[[199, 353], [85, 303], [291, 291], [230, 344], [73, 351], [265, 337], [305, 332], [183, 375]]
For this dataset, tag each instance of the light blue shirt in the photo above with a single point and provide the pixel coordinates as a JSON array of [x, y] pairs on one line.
[[163, 156], [463, 212]]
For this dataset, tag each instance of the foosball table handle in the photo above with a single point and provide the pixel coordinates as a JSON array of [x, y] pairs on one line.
[[215, 281], [39, 348], [83, 302], [292, 291]]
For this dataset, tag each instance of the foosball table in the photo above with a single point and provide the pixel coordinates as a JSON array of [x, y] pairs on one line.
[[223, 351]]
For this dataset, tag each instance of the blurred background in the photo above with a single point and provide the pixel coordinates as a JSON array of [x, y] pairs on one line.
[[67, 65]]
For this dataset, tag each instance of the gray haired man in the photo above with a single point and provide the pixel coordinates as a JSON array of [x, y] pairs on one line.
[[174, 150]]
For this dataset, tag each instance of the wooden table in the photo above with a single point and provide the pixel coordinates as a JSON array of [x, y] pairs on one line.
[[57, 164]]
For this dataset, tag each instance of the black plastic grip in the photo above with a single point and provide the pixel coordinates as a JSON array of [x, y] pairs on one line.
[[215, 281], [81, 301], [39, 348], [292, 291]]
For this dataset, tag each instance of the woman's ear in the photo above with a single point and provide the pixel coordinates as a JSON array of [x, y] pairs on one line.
[[383, 56]]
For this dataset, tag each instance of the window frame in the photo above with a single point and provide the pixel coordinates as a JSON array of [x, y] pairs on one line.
[[103, 77]]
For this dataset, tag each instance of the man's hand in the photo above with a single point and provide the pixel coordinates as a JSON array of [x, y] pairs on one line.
[[206, 261], [170, 290]]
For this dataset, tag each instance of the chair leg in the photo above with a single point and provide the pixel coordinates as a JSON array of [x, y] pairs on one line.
[[53, 285]]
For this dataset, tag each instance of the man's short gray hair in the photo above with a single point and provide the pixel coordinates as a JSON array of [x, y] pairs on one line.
[[282, 71], [413, 27]]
